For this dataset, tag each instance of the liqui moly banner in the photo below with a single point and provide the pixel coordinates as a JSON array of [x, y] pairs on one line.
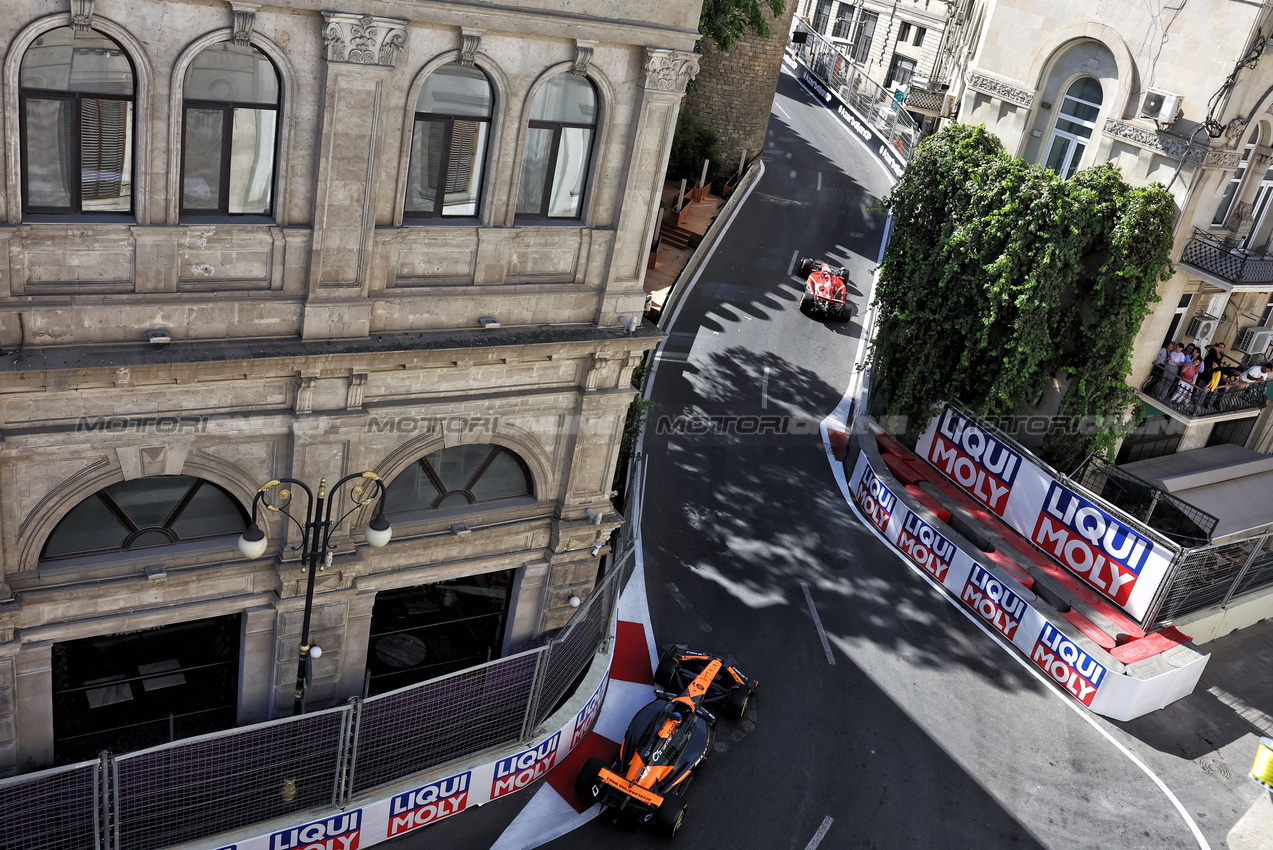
[[1112, 557], [433, 801], [873, 496]]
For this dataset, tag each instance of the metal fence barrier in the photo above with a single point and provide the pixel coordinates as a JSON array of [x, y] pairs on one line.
[[1211, 576], [202, 787], [53, 809], [868, 98]]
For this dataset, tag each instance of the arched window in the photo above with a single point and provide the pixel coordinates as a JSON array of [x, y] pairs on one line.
[[448, 147], [229, 137], [76, 92], [458, 476], [1074, 126], [143, 513], [563, 120], [1235, 183]]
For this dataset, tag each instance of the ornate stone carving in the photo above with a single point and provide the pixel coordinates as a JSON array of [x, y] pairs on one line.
[[470, 41], [1241, 219], [357, 384], [1172, 146], [81, 15], [305, 393], [363, 39], [583, 55], [1000, 89], [669, 70], [244, 20]]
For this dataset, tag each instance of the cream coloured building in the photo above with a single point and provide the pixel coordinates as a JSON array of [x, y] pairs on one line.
[[1179, 95], [253, 240]]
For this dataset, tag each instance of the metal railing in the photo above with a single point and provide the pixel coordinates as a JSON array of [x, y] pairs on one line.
[[1167, 391], [1172, 516], [874, 103], [201, 787], [1224, 259], [1212, 576]]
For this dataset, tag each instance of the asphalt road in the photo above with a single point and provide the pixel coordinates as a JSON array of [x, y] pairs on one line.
[[923, 732]]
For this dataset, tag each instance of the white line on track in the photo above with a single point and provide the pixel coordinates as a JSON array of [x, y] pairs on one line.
[[820, 834], [822, 634], [819, 181], [1029, 667], [678, 596], [764, 390], [791, 266], [783, 111]]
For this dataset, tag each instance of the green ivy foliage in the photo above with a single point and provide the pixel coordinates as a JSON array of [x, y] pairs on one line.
[[726, 21], [999, 273]]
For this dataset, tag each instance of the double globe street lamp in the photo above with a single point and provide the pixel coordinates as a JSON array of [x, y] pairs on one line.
[[316, 539]]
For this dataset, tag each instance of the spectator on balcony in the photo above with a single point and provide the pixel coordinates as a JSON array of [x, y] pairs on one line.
[[1175, 362], [1187, 375], [1159, 370], [1214, 357]]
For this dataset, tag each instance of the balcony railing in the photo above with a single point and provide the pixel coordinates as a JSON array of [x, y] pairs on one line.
[[1225, 260], [924, 101], [1196, 401]]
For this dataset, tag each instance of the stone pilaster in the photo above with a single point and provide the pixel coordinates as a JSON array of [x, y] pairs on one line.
[[666, 72], [33, 708], [361, 51], [256, 664]]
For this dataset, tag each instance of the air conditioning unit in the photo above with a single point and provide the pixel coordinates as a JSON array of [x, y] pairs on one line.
[[1203, 327], [1162, 106], [1255, 340]]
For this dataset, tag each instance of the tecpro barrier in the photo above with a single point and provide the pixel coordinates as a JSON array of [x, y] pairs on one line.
[[1123, 563], [1091, 676]]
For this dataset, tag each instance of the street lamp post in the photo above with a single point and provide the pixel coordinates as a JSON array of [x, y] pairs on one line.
[[315, 541]]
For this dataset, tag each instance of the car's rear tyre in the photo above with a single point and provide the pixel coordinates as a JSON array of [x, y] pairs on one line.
[[667, 668], [843, 313], [806, 303], [667, 817], [806, 266], [588, 782], [737, 702]]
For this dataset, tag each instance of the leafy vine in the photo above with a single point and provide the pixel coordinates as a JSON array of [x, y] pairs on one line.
[[999, 274]]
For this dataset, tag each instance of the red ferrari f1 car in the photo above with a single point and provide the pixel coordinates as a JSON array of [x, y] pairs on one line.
[[825, 292], [667, 740]]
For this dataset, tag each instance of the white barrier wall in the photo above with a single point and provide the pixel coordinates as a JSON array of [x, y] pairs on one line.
[[1124, 566], [1006, 606], [401, 813]]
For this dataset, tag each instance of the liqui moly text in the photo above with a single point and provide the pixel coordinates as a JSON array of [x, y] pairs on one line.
[[876, 501], [979, 463], [996, 604], [516, 772], [926, 546], [1074, 669], [338, 832], [428, 804], [586, 715], [1090, 543]]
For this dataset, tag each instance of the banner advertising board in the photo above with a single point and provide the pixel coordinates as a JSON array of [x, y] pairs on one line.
[[410, 810], [1116, 560]]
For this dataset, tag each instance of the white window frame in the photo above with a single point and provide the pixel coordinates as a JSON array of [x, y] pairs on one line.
[[1071, 162]]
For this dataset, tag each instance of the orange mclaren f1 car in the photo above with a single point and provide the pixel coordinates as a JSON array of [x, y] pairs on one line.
[[667, 740]]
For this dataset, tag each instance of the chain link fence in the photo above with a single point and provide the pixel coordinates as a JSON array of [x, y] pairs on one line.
[[202, 787], [1210, 576]]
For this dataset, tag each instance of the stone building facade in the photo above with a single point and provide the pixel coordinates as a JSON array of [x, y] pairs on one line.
[[1183, 98], [734, 93], [249, 241]]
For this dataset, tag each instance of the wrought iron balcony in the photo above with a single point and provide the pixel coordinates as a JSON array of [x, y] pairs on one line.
[[1197, 402], [1223, 259], [924, 101]]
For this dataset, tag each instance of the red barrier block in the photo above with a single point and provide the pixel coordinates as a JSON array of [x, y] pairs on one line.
[[1010, 566], [929, 502], [1090, 629], [890, 446], [900, 469], [1150, 645]]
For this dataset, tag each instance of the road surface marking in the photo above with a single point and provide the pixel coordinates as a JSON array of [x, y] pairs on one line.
[[820, 834], [678, 596], [791, 267], [783, 111], [1249, 713], [764, 390], [819, 181], [826, 645]]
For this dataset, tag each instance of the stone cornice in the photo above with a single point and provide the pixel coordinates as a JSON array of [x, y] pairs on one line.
[[363, 39], [1005, 91], [1172, 146]]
